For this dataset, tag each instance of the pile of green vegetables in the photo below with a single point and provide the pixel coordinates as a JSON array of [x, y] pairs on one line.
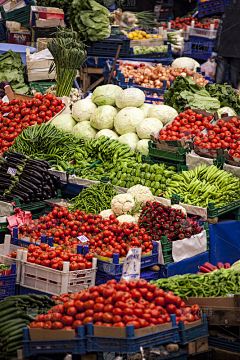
[[46, 142], [17, 312], [204, 185], [94, 199], [90, 19], [226, 95], [12, 70], [217, 283], [185, 91], [138, 50]]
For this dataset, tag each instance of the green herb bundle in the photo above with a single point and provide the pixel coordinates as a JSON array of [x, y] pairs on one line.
[[69, 54]]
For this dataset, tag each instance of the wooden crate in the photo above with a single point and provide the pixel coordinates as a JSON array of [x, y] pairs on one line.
[[39, 64], [197, 346]]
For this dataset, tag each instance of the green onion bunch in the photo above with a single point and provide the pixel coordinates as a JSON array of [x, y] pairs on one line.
[[69, 54]]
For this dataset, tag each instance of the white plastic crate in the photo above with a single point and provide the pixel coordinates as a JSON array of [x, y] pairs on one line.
[[57, 282], [184, 34], [209, 34], [5, 249]]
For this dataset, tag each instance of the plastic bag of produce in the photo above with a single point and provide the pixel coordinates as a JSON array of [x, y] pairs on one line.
[[209, 67]]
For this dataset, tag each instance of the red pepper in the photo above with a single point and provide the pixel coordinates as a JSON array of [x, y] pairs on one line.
[[205, 270], [209, 266], [220, 265], [181, 236], [227, 266]]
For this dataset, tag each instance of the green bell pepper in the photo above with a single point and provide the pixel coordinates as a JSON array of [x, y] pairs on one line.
[[147, 175], [152, 178], [128, 185], [138, 173], [148, 183], [122, 183], [142, 182], [159, 171], [137, 180], [158, 178], [157, 185], [124, 177]]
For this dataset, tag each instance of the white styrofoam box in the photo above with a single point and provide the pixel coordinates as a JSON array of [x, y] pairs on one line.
[[209, 34], [148, 42], [5, 249], [57, 282]]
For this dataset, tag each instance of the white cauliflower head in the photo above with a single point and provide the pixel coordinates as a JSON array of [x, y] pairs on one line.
[[122, 204], [179, 207], [126, 219], [106, 213], [136, 217], [141, 194]]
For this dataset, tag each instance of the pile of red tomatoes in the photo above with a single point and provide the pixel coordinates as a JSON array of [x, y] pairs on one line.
[[115, 304]]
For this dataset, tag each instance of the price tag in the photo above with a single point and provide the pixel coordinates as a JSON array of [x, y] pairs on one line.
[[12, 171], [83, 238], [132, 265]]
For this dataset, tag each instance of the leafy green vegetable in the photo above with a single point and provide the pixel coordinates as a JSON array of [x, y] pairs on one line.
[[185, 91], [12, 70], [226, 95]]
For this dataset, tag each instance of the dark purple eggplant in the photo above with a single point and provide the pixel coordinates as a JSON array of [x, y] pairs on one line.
[[31, 179]]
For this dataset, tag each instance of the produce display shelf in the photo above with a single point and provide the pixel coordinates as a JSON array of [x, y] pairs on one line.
[[73, 346], [178, 157], [233, 346], [109, 47], [102, 277], [21, 15], [210, 7], [188, 334], [42, 86], [115, 267], [7, 284], [131, 344]]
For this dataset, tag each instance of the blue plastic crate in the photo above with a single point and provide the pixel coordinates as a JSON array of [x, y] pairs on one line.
[[108, 47], [116, 268], [201, 44], [7, 283], [102, 277], [193, 333], [73, 346], [21, 49], [211, 7], [23, 243], [22, 290], [131, 344], [233, 346]]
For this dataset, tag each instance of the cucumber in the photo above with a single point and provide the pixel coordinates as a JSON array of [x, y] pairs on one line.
[[14, 346], [7, 304], [13, 328], [7, 324], [6, 311], [15, 338], [14, 333], [14, 315], [28, 317]]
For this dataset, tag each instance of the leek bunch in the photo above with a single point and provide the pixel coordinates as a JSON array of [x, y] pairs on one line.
[[69, 54]]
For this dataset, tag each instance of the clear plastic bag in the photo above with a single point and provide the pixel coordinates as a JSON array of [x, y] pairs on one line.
[[209, 67]]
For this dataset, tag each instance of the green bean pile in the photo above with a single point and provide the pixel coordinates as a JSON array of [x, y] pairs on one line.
[[217, 283], [46, 142], [94, 199]]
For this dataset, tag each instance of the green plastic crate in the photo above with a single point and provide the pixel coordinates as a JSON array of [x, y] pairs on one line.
[[21, 15], [41, 86], [213, 212], [162, 155], [148, 160]]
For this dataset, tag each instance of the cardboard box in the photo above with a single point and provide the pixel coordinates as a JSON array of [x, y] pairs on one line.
[[45, 334], [220, 311], [102, 331], [197, 346], [39, 12], [21, 37]]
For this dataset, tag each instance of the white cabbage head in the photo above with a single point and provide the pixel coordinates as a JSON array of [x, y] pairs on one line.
[[83, 109], [130, 139], [103, 117], [148, 126], [127, 120], [133, 97], [84, 130], [106, 94]]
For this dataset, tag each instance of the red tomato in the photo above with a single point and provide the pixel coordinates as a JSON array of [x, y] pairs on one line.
[[67, 320]]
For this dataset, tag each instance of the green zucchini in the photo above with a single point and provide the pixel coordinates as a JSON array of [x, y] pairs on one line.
[[6, 311], [28, 317]]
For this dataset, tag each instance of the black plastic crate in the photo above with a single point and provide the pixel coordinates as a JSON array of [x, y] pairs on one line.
[[166, 12], [45, 32], [109, 47]]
